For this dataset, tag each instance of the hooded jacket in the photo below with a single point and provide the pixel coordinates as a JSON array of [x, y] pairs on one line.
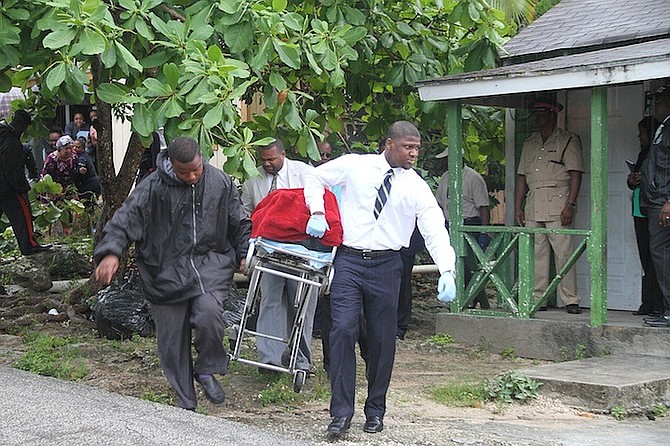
[[12, 163], [655, 180], [189, 239]]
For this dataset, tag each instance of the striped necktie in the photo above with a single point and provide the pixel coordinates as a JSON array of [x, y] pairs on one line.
[[383, 193]]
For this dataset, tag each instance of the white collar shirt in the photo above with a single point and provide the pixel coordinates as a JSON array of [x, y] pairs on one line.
[[282, 178], [410, 203]]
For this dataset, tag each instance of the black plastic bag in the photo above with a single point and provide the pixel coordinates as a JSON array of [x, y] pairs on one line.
[[122, 311], [233, 307]]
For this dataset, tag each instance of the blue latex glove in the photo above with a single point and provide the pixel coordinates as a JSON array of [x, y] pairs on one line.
[[446, 287], [317, 225]]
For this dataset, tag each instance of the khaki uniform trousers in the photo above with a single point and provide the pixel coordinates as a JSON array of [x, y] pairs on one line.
[[562, 246]]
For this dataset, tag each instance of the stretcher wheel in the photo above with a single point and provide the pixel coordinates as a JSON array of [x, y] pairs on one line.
[[286, 358], [298, 380]]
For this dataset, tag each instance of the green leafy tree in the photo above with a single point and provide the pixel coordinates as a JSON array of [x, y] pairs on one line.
[[342, 68]]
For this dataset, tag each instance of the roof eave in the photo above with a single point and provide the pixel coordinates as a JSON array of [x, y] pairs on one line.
[[500, 82]]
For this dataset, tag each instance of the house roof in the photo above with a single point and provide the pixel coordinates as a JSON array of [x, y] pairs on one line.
[[613, 66], [574, 26], [576, 44]]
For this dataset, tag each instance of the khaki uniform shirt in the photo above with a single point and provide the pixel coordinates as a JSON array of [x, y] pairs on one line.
[[475, 193], [546, 165]]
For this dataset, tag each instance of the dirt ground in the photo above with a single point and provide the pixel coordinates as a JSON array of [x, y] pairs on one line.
[[413, 416]]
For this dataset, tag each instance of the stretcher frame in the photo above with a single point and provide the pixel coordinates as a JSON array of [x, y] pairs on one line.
[[267, 258]]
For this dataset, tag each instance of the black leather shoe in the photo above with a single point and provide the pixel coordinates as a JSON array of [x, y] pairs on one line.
[[339, 426], [373, 425], [573, 309], [661, 322], [212, 388], [642, 311], [653, 317]]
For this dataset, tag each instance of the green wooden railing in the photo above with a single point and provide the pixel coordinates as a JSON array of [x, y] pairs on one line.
[[514, 282], [514, 286]]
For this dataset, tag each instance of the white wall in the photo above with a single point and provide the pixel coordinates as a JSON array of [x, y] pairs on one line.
[[625, 109], [120, 137]]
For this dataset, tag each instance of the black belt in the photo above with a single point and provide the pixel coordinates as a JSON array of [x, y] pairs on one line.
[[367, 254]]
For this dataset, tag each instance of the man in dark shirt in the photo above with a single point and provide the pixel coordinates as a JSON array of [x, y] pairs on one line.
[[655, 188], [13, 184]]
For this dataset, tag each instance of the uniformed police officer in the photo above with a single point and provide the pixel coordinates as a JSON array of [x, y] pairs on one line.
[[549, 176]]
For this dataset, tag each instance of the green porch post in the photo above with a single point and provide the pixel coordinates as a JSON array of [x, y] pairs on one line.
[[597, 245], [455, 168]]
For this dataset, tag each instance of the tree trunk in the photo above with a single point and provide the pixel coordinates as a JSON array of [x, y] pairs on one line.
[[115, 187]]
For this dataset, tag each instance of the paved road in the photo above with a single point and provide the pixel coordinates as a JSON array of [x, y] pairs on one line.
[[40, 411]]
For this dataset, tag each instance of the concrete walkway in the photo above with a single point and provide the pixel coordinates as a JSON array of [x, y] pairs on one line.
[[40, 411]]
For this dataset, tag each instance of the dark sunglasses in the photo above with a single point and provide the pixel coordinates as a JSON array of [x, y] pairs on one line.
[[326, 155]]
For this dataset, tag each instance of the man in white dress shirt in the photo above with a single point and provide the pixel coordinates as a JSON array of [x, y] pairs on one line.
[[368, 265], [275, 316]]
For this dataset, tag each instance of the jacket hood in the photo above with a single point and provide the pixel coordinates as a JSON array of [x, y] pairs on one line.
[[164, 168], [6, 129]]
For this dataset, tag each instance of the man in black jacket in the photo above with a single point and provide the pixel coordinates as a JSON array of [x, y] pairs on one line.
[[13, 184], [190, 235], [655, 196]]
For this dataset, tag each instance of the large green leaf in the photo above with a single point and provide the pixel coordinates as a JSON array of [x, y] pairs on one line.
[[239, 37], [260, 59], [92, 42], [279, 5], [288, 53], [292, 117], [171, 73], [60, 38], [108, 56], [56, 75], [143, 120], [128, 57], [74, 91], [277, 81], [5, 82], [171, 108], [111, 93], [249, 164], [213, 116], [156, 88]]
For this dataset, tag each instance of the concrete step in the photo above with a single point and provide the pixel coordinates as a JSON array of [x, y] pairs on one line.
[[633, 382], [557, 336]]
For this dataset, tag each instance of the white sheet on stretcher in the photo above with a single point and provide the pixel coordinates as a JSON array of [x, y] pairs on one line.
[[318, 259]]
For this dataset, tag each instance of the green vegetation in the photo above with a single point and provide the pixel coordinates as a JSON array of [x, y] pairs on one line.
[[660, 410], [460, 394], [280, 392], [512, 386], [579, 352], [618, 412], [508, 354], [53, 356], [157, 397], [441, 339]]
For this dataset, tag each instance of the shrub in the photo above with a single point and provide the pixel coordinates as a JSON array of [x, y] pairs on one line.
[[512, 386]]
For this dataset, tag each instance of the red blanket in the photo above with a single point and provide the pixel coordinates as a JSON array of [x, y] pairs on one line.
[[283, 216]]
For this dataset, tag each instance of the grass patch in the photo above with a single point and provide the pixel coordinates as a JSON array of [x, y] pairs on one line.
[[441, 339], [280, 392], [157, 397], [460, 394], [54, 356]]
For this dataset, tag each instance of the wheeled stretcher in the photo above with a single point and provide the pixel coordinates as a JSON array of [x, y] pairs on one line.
[[312, 269]]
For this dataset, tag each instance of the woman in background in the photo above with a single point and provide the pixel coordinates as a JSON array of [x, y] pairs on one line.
[[652, 299]]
